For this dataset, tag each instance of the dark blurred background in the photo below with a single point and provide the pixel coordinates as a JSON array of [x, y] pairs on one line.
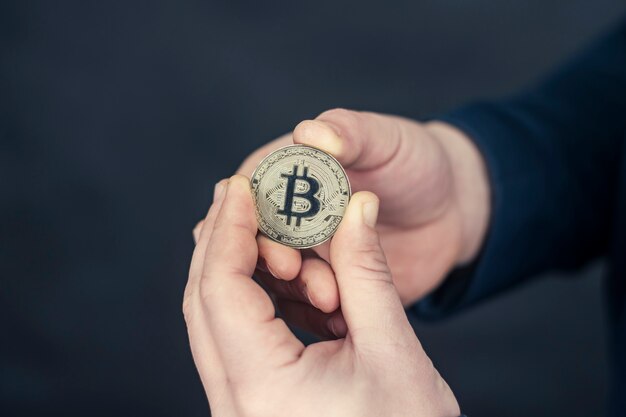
[[116, 119]]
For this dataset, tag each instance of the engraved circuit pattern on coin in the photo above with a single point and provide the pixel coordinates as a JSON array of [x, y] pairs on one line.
[[301, 194]]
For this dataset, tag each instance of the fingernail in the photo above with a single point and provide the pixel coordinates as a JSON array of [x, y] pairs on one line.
[[370, 213], [269, 269], [332, 126], [305, 292], [337, 326], [322, 135], [218, 191]]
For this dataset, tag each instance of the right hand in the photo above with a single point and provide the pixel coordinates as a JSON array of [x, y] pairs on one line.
[[251, 364], [434, 203]]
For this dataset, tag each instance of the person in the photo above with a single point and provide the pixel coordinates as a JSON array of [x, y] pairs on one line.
[[471, 204]]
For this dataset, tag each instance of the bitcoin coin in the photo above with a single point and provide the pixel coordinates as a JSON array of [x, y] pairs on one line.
[[301, 194]]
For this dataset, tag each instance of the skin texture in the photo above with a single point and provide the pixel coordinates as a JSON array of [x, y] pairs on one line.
[[434, 210], [252, 365]]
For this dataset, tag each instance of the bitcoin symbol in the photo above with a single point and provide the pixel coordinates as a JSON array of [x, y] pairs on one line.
[[296, 208], [299, 182]]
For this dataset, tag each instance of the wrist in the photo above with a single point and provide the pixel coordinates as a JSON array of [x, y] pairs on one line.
[[471, 191]]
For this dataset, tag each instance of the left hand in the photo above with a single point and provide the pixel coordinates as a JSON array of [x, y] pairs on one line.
[[252, 365]]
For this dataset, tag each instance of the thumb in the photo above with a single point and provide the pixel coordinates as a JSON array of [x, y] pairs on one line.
[[369, 301], [359, 140]]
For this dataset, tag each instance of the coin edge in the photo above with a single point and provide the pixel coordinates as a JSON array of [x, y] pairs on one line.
[[295, 145]]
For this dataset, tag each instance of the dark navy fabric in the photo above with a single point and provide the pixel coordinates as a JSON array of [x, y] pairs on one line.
[[556, 159]]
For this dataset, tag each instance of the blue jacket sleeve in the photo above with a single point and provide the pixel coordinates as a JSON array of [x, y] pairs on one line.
[[552, 155]]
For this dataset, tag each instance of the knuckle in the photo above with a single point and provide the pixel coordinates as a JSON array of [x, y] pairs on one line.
[[369, 246], [371, 262], [236, 226], [187, 308], [368, 258]]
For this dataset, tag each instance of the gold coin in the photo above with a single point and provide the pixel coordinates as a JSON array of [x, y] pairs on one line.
[[301, 195]]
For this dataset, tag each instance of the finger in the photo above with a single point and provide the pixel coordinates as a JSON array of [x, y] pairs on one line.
[[320, 285], [204, 234], [250, 163], [369, 301], [278, 288], [314, 285], [281, 261], [203, 348], [310, 319], [359, 140], [217, 193], [240, 314]]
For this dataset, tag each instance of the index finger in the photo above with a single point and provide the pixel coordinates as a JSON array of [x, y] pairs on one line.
[[239, 313]]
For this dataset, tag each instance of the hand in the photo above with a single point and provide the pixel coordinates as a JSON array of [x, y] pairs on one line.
[[252, 365], [433, 190]]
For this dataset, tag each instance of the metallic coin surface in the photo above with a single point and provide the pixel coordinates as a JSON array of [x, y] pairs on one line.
[[301, 194]]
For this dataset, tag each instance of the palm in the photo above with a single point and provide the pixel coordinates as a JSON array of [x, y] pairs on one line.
[[331, 368], [418, 257]]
